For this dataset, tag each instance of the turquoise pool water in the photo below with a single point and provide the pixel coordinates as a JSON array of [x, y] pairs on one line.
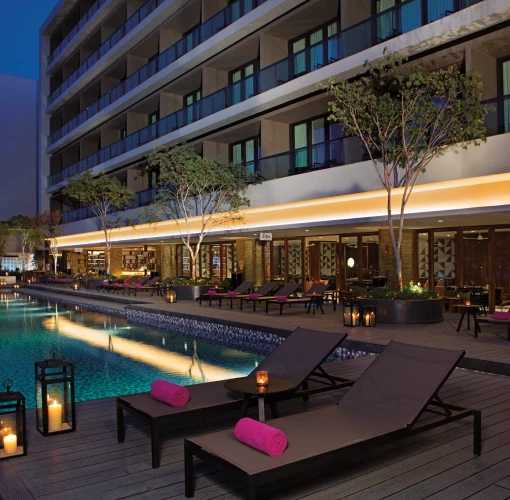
[[110, 356]]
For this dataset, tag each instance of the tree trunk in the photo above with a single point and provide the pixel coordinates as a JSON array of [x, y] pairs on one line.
[[398, 265], [55, 262], [106, 250], [192, 259]]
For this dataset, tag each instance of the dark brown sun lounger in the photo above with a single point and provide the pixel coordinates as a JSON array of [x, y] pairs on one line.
[[298, 358], [158, 288], [263, 291], [146, 287], [285, 291], [241, 289], [141, 282], [313, 297], [384, 404]]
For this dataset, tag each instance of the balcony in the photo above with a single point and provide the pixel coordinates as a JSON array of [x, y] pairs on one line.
[[75, 30], [220, 21], [373, 31], [498, 119], [124, 30]]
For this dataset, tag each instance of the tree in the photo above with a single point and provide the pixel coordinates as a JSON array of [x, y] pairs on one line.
[[103, 195], [52, 229], [5, 234], [405, 117], [191, 189], [28, 236]]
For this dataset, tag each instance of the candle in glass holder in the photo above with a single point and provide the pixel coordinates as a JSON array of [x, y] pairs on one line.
[[468, 302], [355, 316], [54, 417], [262, 378], [10, 444], [367, 319], [5, 431]]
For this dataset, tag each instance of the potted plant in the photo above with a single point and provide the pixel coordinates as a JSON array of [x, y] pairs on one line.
[[191, 289], [412, 304]]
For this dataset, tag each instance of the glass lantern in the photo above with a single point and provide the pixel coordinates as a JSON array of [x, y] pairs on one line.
[[351, 313], [13, 433], [55, 399], [368, 316], [171, 296]]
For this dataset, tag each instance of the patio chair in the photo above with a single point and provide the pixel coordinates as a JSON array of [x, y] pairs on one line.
[[313, 297], [240, 290], [147, 287], [131, 286], [384, 404], [263, 290], [298, 358], [286, 291]]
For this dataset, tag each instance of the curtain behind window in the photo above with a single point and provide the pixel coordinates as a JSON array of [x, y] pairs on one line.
[[300, 142], [316, 50], [437, 9], [385, 21], [298, 48], [505, 79]]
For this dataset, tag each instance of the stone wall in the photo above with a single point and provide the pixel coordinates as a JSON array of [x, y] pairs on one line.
[[167, 261], [408, 255], [249, 259], [116, 261]]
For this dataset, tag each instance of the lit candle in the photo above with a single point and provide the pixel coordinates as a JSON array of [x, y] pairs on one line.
[[262, 378], [5, 431], [355, 317], [10, 444], [468, 302], [367, 319], [54, 417]]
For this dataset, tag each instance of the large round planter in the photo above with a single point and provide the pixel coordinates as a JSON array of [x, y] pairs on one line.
[[190, 292], [406, 311], [92, 284]]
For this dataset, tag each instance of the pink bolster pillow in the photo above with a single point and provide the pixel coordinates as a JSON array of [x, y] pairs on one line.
[[261, 436], [116, 284], [138, 285], [232, 294], [501, 315], [106, 282], [212, 292], [169, 393], [254, 296], [125, 284], [281, 298]]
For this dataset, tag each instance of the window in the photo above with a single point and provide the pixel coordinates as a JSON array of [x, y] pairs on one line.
[[153, 117], [316, 144], [246, 152], [243, 82], [505, 91], [123, 133], [193, 112], [192, 38], [318, 53]]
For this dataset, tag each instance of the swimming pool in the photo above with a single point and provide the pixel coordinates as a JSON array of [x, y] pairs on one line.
[[111, 357]]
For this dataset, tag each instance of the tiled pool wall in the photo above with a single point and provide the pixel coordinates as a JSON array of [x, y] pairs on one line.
[[246, 339]]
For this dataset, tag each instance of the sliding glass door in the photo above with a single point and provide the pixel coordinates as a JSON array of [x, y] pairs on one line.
[[243, 82], [246, 152]]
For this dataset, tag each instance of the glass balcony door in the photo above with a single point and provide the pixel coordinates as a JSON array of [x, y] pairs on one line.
[[243, 82], [192, 112], [247, 153], [505, 91], [386, 21]]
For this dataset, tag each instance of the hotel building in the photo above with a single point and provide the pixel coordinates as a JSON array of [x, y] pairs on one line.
[[238, 79]]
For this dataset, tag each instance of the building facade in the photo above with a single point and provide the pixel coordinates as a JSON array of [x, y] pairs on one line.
[[238, 79]]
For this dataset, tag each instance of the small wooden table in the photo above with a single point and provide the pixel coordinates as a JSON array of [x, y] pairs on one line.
[[495, 322], [249, 387]]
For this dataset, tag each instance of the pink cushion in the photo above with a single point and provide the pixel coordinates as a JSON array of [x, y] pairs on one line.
[[169, 393], [254, 296], [116, 284], [260, 436], [212, 292], [232, 294], [281, 298], [125, 284], [501, 315], [138, 285], [106, 282]]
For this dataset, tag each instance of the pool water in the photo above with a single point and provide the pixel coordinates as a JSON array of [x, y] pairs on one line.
[[111, 357]]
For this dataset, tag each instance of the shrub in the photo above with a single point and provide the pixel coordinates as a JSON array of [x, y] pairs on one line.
[[408, 292]]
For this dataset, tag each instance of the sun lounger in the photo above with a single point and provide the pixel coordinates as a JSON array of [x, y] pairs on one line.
[[384, 404], [298, 358], [264, 290], [240, 290], [159, 288], [312, 298], [145, 287], [111, 286], [141, 282], [286, 291]]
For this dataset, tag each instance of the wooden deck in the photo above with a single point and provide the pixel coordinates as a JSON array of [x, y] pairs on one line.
[[89, 464]]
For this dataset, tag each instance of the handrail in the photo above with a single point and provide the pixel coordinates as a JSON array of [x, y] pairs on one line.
[[326, 52], [202, 33], [75, 30]]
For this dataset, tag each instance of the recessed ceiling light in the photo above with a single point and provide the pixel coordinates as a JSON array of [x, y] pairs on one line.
[[472, 231], [307, 230], [439, 220], [254, 234], [447, 235]]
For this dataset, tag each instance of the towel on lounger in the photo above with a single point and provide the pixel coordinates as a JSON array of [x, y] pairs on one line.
[[232, 294], [261, 436], [169, 393], [254, 296], [281, 298], [212, 292]]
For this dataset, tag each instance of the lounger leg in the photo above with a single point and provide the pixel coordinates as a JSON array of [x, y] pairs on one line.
[[251, 490], [305, 388], [262, 409], [274, 409], [121, 430], [189, 474], [155, 445], [244, 407], [477, 432]]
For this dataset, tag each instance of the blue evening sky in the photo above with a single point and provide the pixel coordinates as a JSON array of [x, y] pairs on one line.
[[19, 35]]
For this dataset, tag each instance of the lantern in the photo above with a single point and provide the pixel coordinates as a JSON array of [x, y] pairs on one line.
[[16, 285], [13, 434], [76, 286], [55, 399], [351, 313], [28, 282], [262, 378], [368, 316], [171, 296]]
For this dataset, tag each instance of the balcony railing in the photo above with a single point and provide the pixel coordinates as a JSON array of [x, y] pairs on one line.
[[218, 22], [497, 120], [314, 57], [125, 29], [75, 30]]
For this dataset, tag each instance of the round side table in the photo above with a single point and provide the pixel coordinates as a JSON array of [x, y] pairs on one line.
[[249, 387]]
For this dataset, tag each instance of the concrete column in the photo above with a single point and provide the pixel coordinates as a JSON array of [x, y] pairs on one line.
[[216, 150], [134, 63], [408, 255], [108, 83], [167, 37], [70, 157], [136, 121], [116, 261], [137, 180], [487, 66], [213, 80], [88, 148], [354, 12], [106, 32], [211, 7], [274, 137], [169, 103], [168, 266], [272, 49], [109, 136], [133, 6]]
